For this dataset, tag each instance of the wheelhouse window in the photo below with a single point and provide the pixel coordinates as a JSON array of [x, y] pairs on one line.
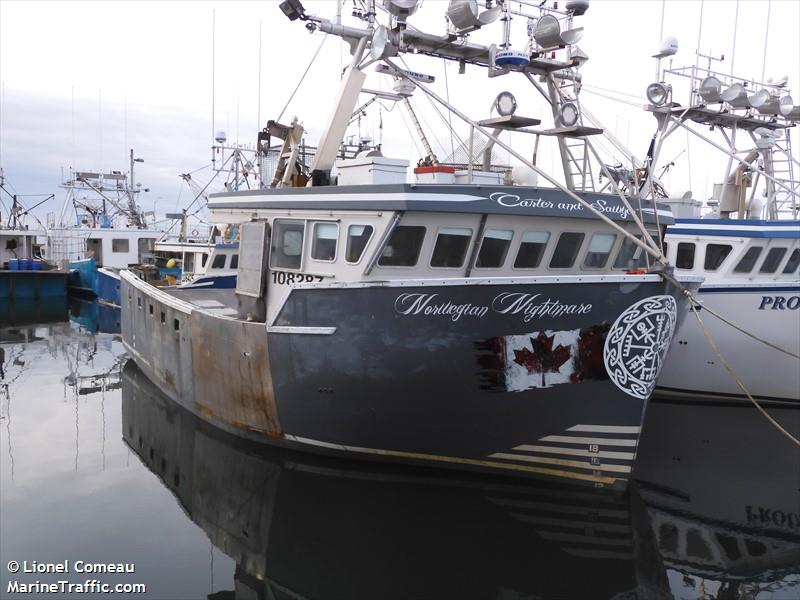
[[204, 259], [748, 261], [685, 257], [323, 243], [716, 255], [531, 249], [792, 263], [630, 256], [599, 250], [451, 247], [235, 261], [358, 237], [569, 243], [494, 248], [772, 260], [287, 244], [403, 247], [219, 261], [120, 245]]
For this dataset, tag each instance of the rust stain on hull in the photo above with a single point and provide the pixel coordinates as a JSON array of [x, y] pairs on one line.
[[231, 371]]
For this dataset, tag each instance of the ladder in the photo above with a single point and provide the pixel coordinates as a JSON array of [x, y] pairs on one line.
[[786, 199]]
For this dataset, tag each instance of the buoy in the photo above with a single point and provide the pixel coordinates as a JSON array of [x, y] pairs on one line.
[[171, 263], [195, 232]]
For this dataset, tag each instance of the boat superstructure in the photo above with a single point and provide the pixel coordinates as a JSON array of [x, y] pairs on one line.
[[460, 317], [100, 230]]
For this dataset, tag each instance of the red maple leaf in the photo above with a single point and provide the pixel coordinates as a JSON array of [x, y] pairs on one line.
[[544, 358]]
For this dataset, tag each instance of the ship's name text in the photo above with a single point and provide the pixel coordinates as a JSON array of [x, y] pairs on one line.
[[528, 306], [779, 303], [512, 201]]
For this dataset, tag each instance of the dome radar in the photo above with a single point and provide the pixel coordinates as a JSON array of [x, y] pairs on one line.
[[669, 47]]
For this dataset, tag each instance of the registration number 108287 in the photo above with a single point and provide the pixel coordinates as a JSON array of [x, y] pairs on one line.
[[284, 277]]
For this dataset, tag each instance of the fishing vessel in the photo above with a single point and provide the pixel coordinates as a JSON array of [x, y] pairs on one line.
[[467, 318], [745, 242], [100, 230], [23, 272]]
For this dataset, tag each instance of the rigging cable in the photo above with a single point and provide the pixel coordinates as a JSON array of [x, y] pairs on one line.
[[299, 83], [731, 372]]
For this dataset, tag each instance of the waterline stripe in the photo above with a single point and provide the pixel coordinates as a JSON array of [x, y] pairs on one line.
[[567, 439], [457, 460], [575, 451], [596, 525], [577, 464], [605, 429]]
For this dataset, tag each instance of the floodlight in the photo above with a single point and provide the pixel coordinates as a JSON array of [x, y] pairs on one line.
[[736, 96], [776, 105], [786, 105], [505, 104], [792, 115], [658, 93], [669, 47], [381, 46], [710, 90], [463, 14], [759, 98], [401, 8], [293, 9], [568, 114], [548, 34]]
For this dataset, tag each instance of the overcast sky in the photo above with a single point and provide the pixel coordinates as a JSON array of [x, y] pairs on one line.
[[83, 82]]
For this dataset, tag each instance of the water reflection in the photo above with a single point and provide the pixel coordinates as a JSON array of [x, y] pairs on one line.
[[299, 526], [722, 489]]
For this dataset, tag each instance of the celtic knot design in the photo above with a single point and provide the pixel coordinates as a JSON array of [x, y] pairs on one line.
[[637, 343]]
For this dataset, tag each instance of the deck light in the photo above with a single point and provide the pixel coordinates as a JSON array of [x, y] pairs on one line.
[[658, 93], [710, 90], [568, 114], [505, 104], [736, 96], [548, 33], [293, 10]]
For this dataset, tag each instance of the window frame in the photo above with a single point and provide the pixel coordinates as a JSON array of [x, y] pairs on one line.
[[127, 246], [545, 251], [224, 258], [313, 238], [509, 246], [719, 267], [419, 252], [694, 255], [782, 258], [608, 254], [464, 258], [578, 252], [756, 261], [366, 245], [302, 245]]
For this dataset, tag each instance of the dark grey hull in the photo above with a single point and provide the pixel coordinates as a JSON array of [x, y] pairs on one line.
[[303, 526], [545, 379]]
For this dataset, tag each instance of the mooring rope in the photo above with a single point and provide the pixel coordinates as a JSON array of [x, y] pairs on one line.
[[732, 373]]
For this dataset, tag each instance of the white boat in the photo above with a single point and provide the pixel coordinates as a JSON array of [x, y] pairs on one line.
[[747, 245], [99, 231], [751, 277]]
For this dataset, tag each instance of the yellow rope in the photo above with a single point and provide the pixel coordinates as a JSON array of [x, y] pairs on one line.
[[732, 373]]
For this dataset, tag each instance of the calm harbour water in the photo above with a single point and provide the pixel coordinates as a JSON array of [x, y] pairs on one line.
[[96, 465]]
